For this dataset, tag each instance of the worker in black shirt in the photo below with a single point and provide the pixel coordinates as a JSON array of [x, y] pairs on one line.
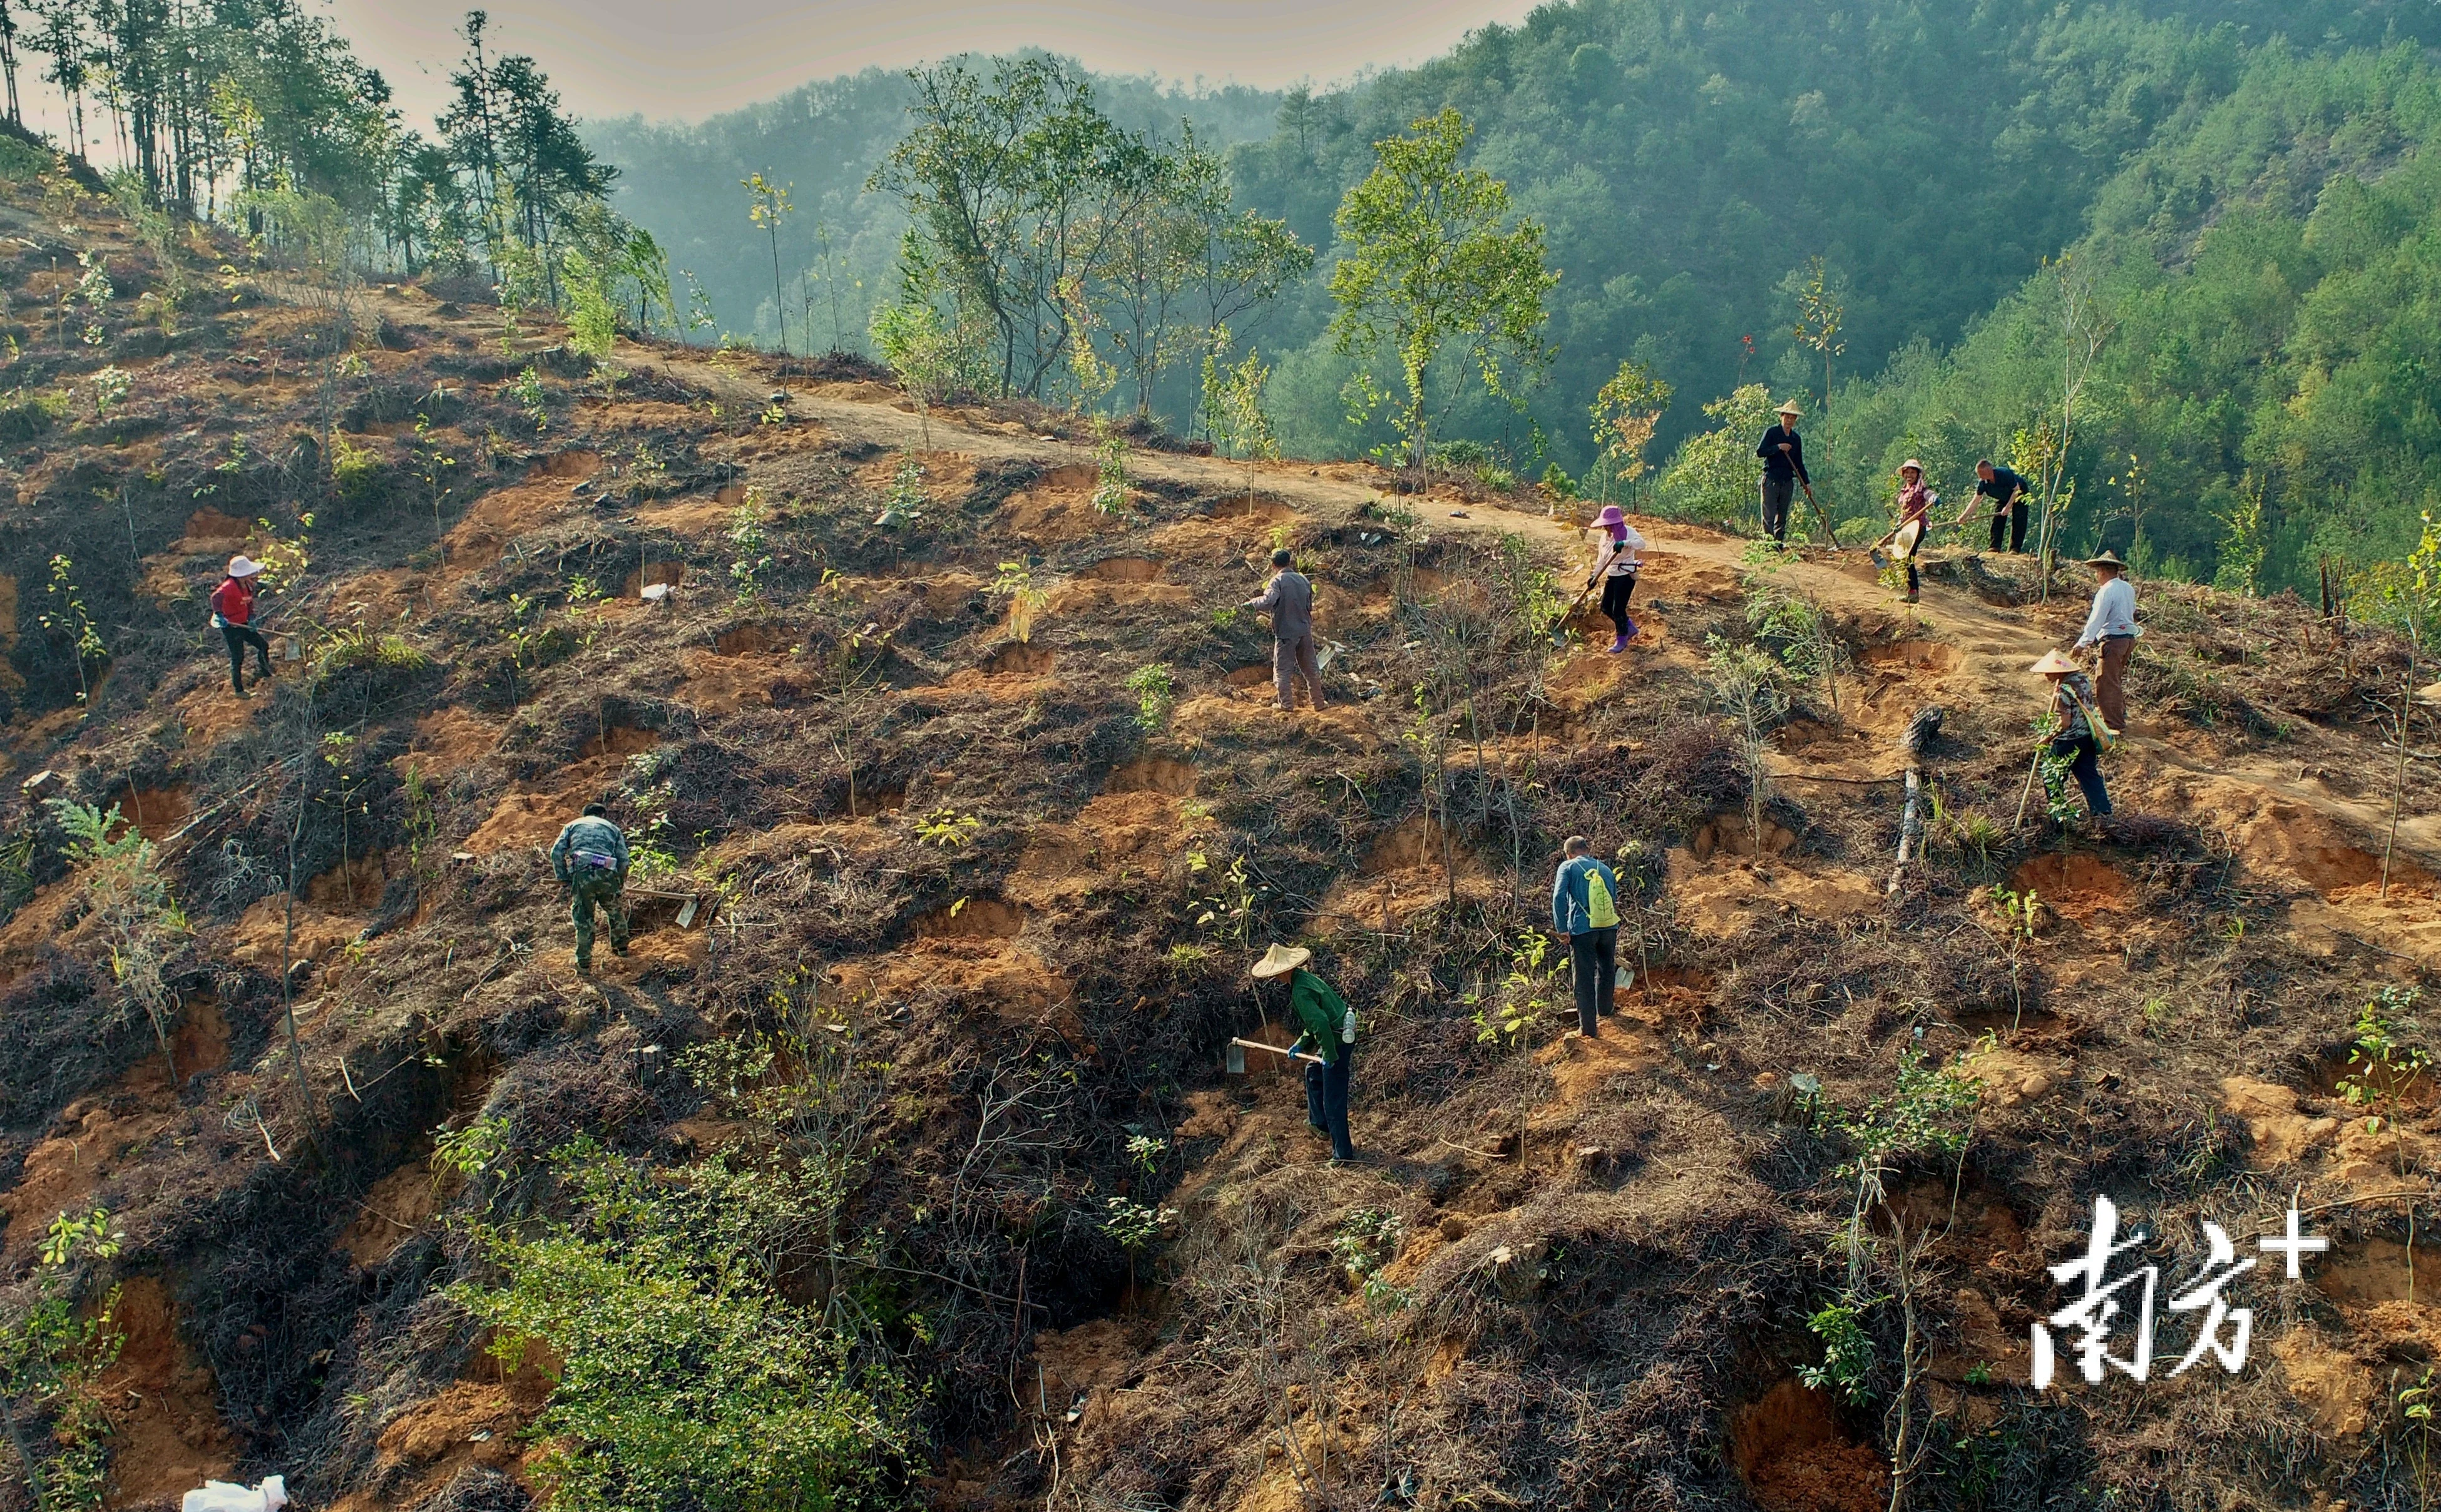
[[1783, 472], [2009, 493]]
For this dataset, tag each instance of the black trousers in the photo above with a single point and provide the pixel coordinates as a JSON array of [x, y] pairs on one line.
[[1616, 592], [1593, 965], [1777, 492], [240, 636], [2012, 524], [2087, 769], [1325, 1100]]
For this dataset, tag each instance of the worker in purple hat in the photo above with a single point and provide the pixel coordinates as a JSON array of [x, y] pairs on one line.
[[1622, 557]]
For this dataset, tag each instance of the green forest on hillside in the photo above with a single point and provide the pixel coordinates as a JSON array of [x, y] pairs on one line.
[[1688, 166]]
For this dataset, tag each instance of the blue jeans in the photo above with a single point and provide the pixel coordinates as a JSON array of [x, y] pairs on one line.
[[1593, 967], [2087, 770], [1325, 1100]]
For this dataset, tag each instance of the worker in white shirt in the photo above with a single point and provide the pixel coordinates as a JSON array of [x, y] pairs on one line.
[[1622, 557], [2112, 627]]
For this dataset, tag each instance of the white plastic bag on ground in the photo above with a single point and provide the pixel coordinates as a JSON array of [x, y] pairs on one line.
[[221, 1496]]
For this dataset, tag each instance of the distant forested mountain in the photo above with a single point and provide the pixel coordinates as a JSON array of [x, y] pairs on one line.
[[823, 139], [2243, 177]]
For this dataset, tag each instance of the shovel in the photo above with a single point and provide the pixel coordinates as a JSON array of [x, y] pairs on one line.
[[1241, 1046], [1823, 517], [1560, 627]]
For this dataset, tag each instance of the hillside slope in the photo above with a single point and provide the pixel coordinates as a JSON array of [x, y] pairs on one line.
[[968, 902]]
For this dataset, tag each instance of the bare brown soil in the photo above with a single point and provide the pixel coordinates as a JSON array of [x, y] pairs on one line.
[[966, 852]]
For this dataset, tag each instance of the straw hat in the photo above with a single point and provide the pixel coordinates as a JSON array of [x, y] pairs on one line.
[[2108, 559], [241, 566], [1789, 407], [2053, 665], [1281, 960], [1912, 462]]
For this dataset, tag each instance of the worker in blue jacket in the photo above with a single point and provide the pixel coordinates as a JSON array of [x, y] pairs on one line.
[[1584, 909]]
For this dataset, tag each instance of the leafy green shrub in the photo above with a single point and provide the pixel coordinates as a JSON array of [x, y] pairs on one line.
[[1712, 477], [685, 1378], [947, 828], [1846, 1352], [21, 162], [132, 911], [53, 1355], [528, 394], [355, 470], [358, 649], [24, 421], [1155, 693]]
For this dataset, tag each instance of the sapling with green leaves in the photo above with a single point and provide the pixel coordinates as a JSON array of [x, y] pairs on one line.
[[110, 389], [1747, 687], [906, 501], [1821, 308], [130, 906], [1026, 602], [1430, 266], [947, 828], [1366, 1244], [433, 466], [56, 1345], [1929, 1113], [95, 289], [768, 204], [1145, 1152], [746, 534], [336, 744], [1234, 412], [1135, 1226], [527, 392], [2385, 1067], [1506, 1016], [2020, 914], [1110, 477], [1846, 1367], [1156, 691], [1625, 413], [2412, 594], [66, 614]]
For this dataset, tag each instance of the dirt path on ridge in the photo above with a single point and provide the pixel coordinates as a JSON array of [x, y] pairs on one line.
[[1992, 647]]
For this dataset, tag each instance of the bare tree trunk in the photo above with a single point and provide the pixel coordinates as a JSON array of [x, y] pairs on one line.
[[1911, 827], [2398, 785], [287, 947]]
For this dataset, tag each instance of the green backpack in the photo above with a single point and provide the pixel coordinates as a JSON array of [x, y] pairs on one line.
[[1600, 906]]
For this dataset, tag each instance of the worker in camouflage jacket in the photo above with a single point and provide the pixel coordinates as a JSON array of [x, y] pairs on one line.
[[591, 855]]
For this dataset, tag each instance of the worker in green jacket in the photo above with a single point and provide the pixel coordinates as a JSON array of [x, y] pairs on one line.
[[591, 855], [1327, 1039]]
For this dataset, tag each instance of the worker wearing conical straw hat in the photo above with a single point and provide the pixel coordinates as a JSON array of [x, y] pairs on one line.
[[1327, 1036], [2078, 738], [1783, 472], [1915, 509]]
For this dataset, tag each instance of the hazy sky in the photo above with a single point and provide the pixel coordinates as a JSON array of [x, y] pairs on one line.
[[695, 57]]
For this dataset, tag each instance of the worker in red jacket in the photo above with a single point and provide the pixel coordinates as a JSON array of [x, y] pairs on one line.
[[233, 613]]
